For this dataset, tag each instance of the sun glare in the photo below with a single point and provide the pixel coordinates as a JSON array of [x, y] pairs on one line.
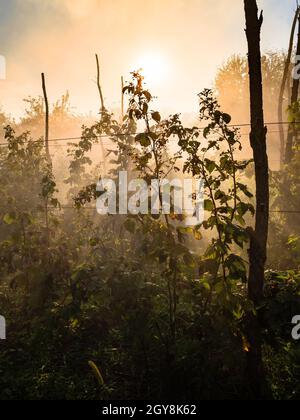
[[154, 67]]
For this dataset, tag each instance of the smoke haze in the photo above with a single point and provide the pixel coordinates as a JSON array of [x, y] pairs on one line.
[[60, 38]]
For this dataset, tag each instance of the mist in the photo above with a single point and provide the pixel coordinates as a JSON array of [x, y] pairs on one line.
[[60, 38], [150, 211]]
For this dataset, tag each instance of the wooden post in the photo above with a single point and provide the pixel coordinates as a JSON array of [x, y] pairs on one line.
[[46, 116], [285, 80], [102, 110], [122, 99], [294, 98], [99, 86]]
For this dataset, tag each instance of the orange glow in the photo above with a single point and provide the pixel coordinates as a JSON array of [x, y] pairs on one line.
[[154, 67]]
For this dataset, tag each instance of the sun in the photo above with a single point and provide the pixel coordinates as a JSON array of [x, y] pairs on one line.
[[153, 66]]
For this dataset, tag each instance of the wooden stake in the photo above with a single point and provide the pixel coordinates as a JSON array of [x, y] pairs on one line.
[[99, 86], [46, 116], [122, 98], [285, 80], [289, 152], [102, 110]]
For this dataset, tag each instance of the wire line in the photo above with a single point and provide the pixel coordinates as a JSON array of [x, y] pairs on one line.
[[108, 136]]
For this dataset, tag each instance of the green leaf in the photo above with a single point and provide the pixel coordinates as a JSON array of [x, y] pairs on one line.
[[143, 139], [243, 208], [156, 117], [208, 205], [210, 253], [189, 260], [9, 219], [153, 136], [197, 235], [217, 116], [185, 230], [245, 190], [240, 236], [205, 284], [147, 95], [206, 132], [226, 118], [219, 195], [240, 220], [237, 268], [145, 108], [210, 165]]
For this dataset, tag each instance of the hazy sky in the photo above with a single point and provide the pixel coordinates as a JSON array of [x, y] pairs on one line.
[[183, 40]]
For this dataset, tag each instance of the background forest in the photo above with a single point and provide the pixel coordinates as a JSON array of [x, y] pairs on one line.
[[144, 307]]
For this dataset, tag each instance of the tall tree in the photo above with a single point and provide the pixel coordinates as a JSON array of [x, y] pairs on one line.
[[258, 243]]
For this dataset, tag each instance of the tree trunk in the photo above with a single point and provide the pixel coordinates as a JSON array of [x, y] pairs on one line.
[[285, 80], [258, 242], [294, 98]]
